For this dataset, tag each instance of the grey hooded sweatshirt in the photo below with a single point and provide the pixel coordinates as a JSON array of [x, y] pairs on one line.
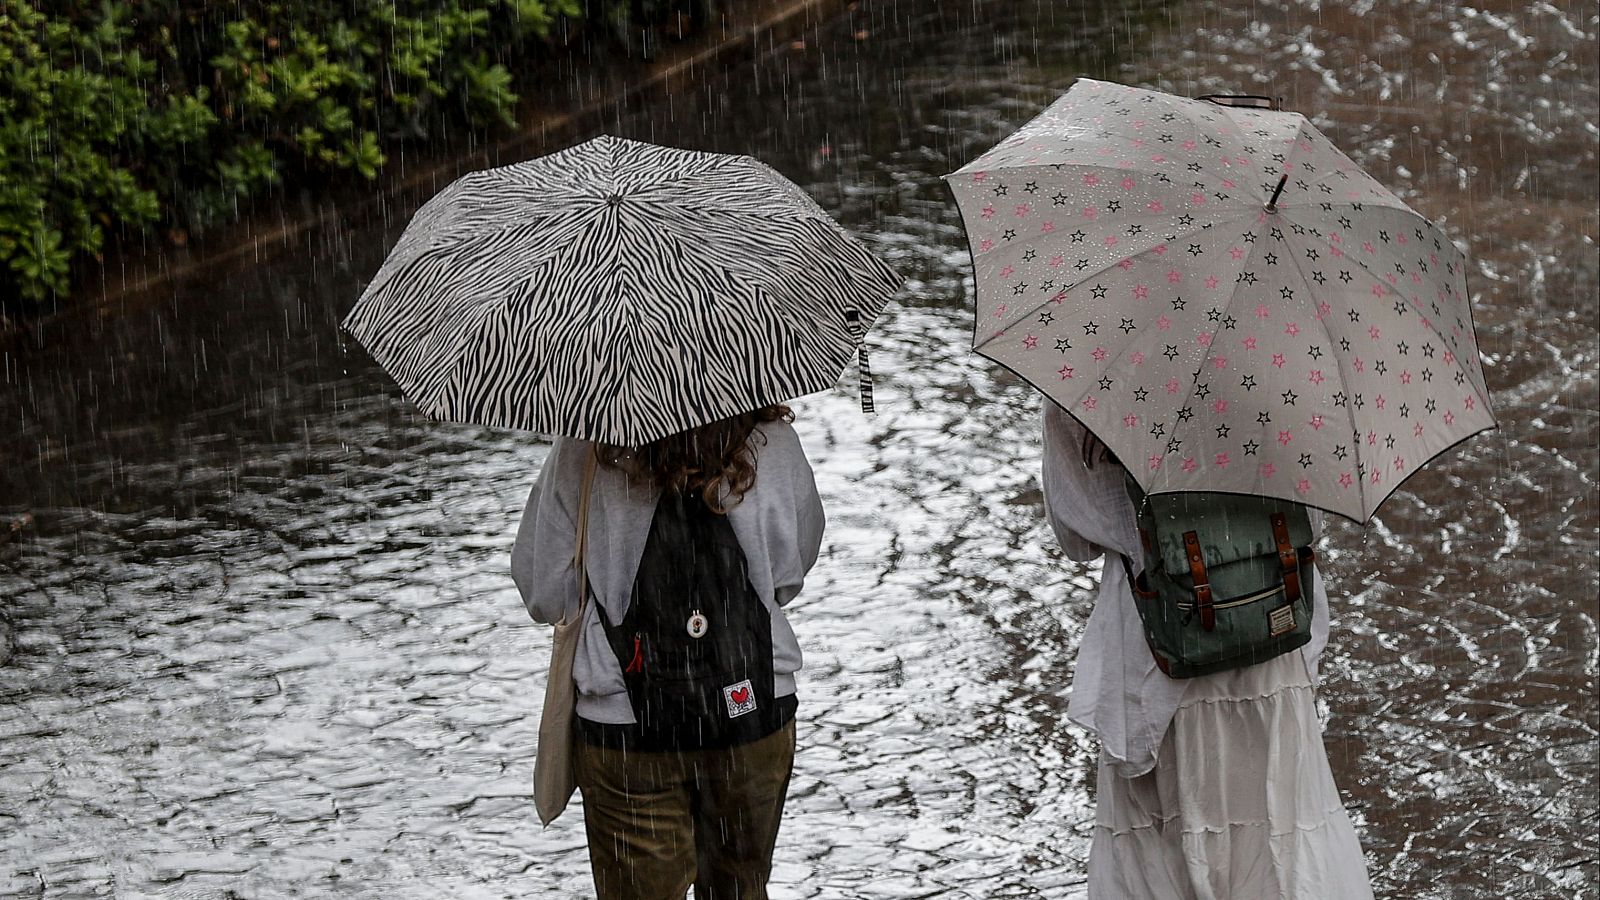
[[778, 523]]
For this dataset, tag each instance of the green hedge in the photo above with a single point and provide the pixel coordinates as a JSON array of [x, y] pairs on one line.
[[171, 116]]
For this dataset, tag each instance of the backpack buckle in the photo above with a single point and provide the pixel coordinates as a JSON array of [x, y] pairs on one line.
[[1202, 582], [1288, 558]]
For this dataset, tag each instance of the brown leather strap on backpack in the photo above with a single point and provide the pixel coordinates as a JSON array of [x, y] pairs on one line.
[[1202, 582], [1288, 558]]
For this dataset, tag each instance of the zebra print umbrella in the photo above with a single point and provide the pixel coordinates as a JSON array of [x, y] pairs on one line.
[[618, 291]]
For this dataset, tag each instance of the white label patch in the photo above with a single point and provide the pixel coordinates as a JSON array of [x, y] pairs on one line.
[[741, 698], [1281, 620]]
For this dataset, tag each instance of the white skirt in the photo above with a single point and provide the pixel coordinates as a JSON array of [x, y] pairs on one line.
[[1241, 804]]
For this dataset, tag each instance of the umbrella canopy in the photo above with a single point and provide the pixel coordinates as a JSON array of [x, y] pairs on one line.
[[1222, 297], [618, 291]]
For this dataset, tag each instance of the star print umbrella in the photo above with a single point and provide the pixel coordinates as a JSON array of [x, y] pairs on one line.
[[1222, 297], [619, 291]]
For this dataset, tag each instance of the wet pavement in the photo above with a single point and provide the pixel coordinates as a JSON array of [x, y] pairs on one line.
[[266, 644]]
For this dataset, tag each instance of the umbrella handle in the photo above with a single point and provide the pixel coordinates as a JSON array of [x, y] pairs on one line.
[[1246, 101]]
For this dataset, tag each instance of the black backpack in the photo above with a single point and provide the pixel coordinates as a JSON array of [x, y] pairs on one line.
[[695, 645]]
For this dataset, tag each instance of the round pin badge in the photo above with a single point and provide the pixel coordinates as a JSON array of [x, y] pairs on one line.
[[698, 625]]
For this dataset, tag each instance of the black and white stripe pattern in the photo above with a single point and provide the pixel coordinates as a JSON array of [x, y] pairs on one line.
[[618, 291]]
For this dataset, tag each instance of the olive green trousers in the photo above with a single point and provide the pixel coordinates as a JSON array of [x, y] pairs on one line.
[[660, 822]]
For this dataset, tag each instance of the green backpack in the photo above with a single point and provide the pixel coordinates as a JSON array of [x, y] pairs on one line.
[[1226, 580]]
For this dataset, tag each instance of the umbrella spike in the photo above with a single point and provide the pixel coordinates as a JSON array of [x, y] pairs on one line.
[[1272, 205]]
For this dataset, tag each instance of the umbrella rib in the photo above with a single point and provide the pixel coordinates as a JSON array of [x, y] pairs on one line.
[[1343, 378], [1084, 277], [1300, 132], [1211, 344], [1363, 266]]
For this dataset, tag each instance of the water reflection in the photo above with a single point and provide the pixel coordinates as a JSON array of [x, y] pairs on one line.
[[266, 643]]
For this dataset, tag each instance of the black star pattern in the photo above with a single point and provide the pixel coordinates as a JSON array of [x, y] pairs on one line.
[[1247, 277], [1018, 288], [1263, 417], [1059, 199], [1229, 322], [1305, 460], [1339, 399], [1399, 308], [1277, 234], [1430, 406], [1031, 187], [1379, 367], [1405, 411], [1185, 414], [1428, 350], [1077, 237], [1008, 234], [1344, 344], [1171, 352], [1063, 345], [1403, 348], [1388, 442], [1355, 315], [1286, 293], [1178, 303], [1289, 397], [1105, 383], [1202, 390], [1186, 220], [1213, 315], [1319, 278], [1091, 328], [1127, 326], [1114, 206], [1001, 190], [1340, 452], [1046, 317], [1135, 230], [1140, 395], [1271, 259], [1222, 431], [1248, 382], [1194, 250], [1311, 254], [1314, 351], [1158, 430], [1345, 277], [1249, 237], [1029, 255], [1081, 264], [1099, 291]]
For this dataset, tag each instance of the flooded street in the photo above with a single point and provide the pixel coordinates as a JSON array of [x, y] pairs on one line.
[[266, 643]]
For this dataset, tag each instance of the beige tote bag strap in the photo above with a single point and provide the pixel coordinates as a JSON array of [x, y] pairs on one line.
[[553, 777]]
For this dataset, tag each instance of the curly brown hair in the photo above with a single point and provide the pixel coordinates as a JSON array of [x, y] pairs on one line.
[[716, 460]]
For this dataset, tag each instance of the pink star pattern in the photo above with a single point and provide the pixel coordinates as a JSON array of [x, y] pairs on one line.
[[1079, 311]]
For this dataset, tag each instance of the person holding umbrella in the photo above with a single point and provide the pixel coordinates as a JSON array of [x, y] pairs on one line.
[[1224, 312], [653, 308]]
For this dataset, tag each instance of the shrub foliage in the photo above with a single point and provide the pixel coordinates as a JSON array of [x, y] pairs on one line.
[[172, 116]]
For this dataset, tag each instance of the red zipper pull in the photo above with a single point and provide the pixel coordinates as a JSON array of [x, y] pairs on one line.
[[636, 665]]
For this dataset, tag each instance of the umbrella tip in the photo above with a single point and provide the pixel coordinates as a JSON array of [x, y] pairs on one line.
[[1272, 205]]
